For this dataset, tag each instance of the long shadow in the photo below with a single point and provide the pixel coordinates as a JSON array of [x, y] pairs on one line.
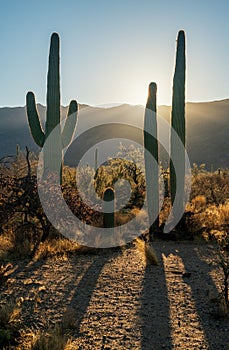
[[66, 290], [17, 268], [85, 288], [200, 271], [27, 270], [154, 312]]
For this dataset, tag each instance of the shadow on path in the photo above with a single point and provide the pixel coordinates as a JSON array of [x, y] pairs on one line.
[[154, 312], [200, 267], [87, 285]]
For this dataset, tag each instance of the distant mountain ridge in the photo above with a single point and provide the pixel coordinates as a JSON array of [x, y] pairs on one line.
[[207, 128]]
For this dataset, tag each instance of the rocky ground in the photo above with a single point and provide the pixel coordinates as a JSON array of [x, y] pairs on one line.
[[112, 300]]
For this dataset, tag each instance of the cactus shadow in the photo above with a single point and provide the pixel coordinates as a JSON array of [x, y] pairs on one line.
[[85, 288], [199, 264], [154, 310]]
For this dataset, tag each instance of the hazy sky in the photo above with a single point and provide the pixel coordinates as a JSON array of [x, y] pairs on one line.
[[112, 50]]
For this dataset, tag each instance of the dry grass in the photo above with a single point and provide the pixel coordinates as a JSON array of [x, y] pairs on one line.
[[9, 321], [20, 245], [52, 339], [16, 244], [147, 252], [8, 314], [208, 205], [55, 248], [6, 245]]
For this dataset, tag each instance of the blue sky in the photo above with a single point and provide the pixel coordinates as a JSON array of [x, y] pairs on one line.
[[112, 50]]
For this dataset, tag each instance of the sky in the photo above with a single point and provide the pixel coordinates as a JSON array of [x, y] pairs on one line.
[[111, 50]]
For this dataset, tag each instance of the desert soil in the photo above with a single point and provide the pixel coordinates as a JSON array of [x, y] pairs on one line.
[[112, 300]]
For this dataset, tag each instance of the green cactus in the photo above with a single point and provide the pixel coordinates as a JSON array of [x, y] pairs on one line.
[[108, 210], [96, 159], [61, 137], [17, 152], [178, 121], [151, 150]]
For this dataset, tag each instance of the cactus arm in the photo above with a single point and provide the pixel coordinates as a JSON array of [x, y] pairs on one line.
[[34, 120], [52, 139], [53, 86], [70, 124]]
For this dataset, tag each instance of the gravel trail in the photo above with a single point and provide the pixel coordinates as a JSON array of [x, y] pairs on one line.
[[112, 300]]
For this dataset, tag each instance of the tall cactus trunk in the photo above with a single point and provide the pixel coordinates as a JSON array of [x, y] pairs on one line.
[[53, 139], [53, 149], [178, 124], [151, 151]]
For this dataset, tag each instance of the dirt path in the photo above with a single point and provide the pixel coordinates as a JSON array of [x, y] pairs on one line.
[[113, 301]]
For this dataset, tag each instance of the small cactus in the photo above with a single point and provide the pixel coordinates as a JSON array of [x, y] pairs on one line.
[[151, 150], [96, 159], [59, 138], [17, 150], [108, 211]]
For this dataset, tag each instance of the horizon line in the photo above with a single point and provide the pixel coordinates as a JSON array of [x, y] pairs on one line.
[[117, 104]]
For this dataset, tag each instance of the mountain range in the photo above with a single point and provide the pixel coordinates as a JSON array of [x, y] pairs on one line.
[[206, 124]]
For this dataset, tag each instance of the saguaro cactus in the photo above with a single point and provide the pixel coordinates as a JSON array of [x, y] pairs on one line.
[[178, 123], [60, 137], [108, 211], [96, 159], [151, 151]]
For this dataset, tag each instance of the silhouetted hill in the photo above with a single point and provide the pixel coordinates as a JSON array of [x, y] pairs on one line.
[[207, 132], [207, 129]]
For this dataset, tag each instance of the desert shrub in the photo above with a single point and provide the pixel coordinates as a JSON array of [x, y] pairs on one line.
[[209, 206], [210, 221], [198, 169], [21, 212], [22, 215], [20, 206], [21, 209], [213, 186], [9, 313], [117, 170]]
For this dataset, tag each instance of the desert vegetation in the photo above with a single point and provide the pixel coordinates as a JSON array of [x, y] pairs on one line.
[[27, 236], [26, 231], [21, 213]]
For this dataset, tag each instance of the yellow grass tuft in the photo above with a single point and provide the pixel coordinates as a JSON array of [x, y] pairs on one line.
[[147, 251], [199, 203], [8, 314], [52, 339], [56, 247]]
